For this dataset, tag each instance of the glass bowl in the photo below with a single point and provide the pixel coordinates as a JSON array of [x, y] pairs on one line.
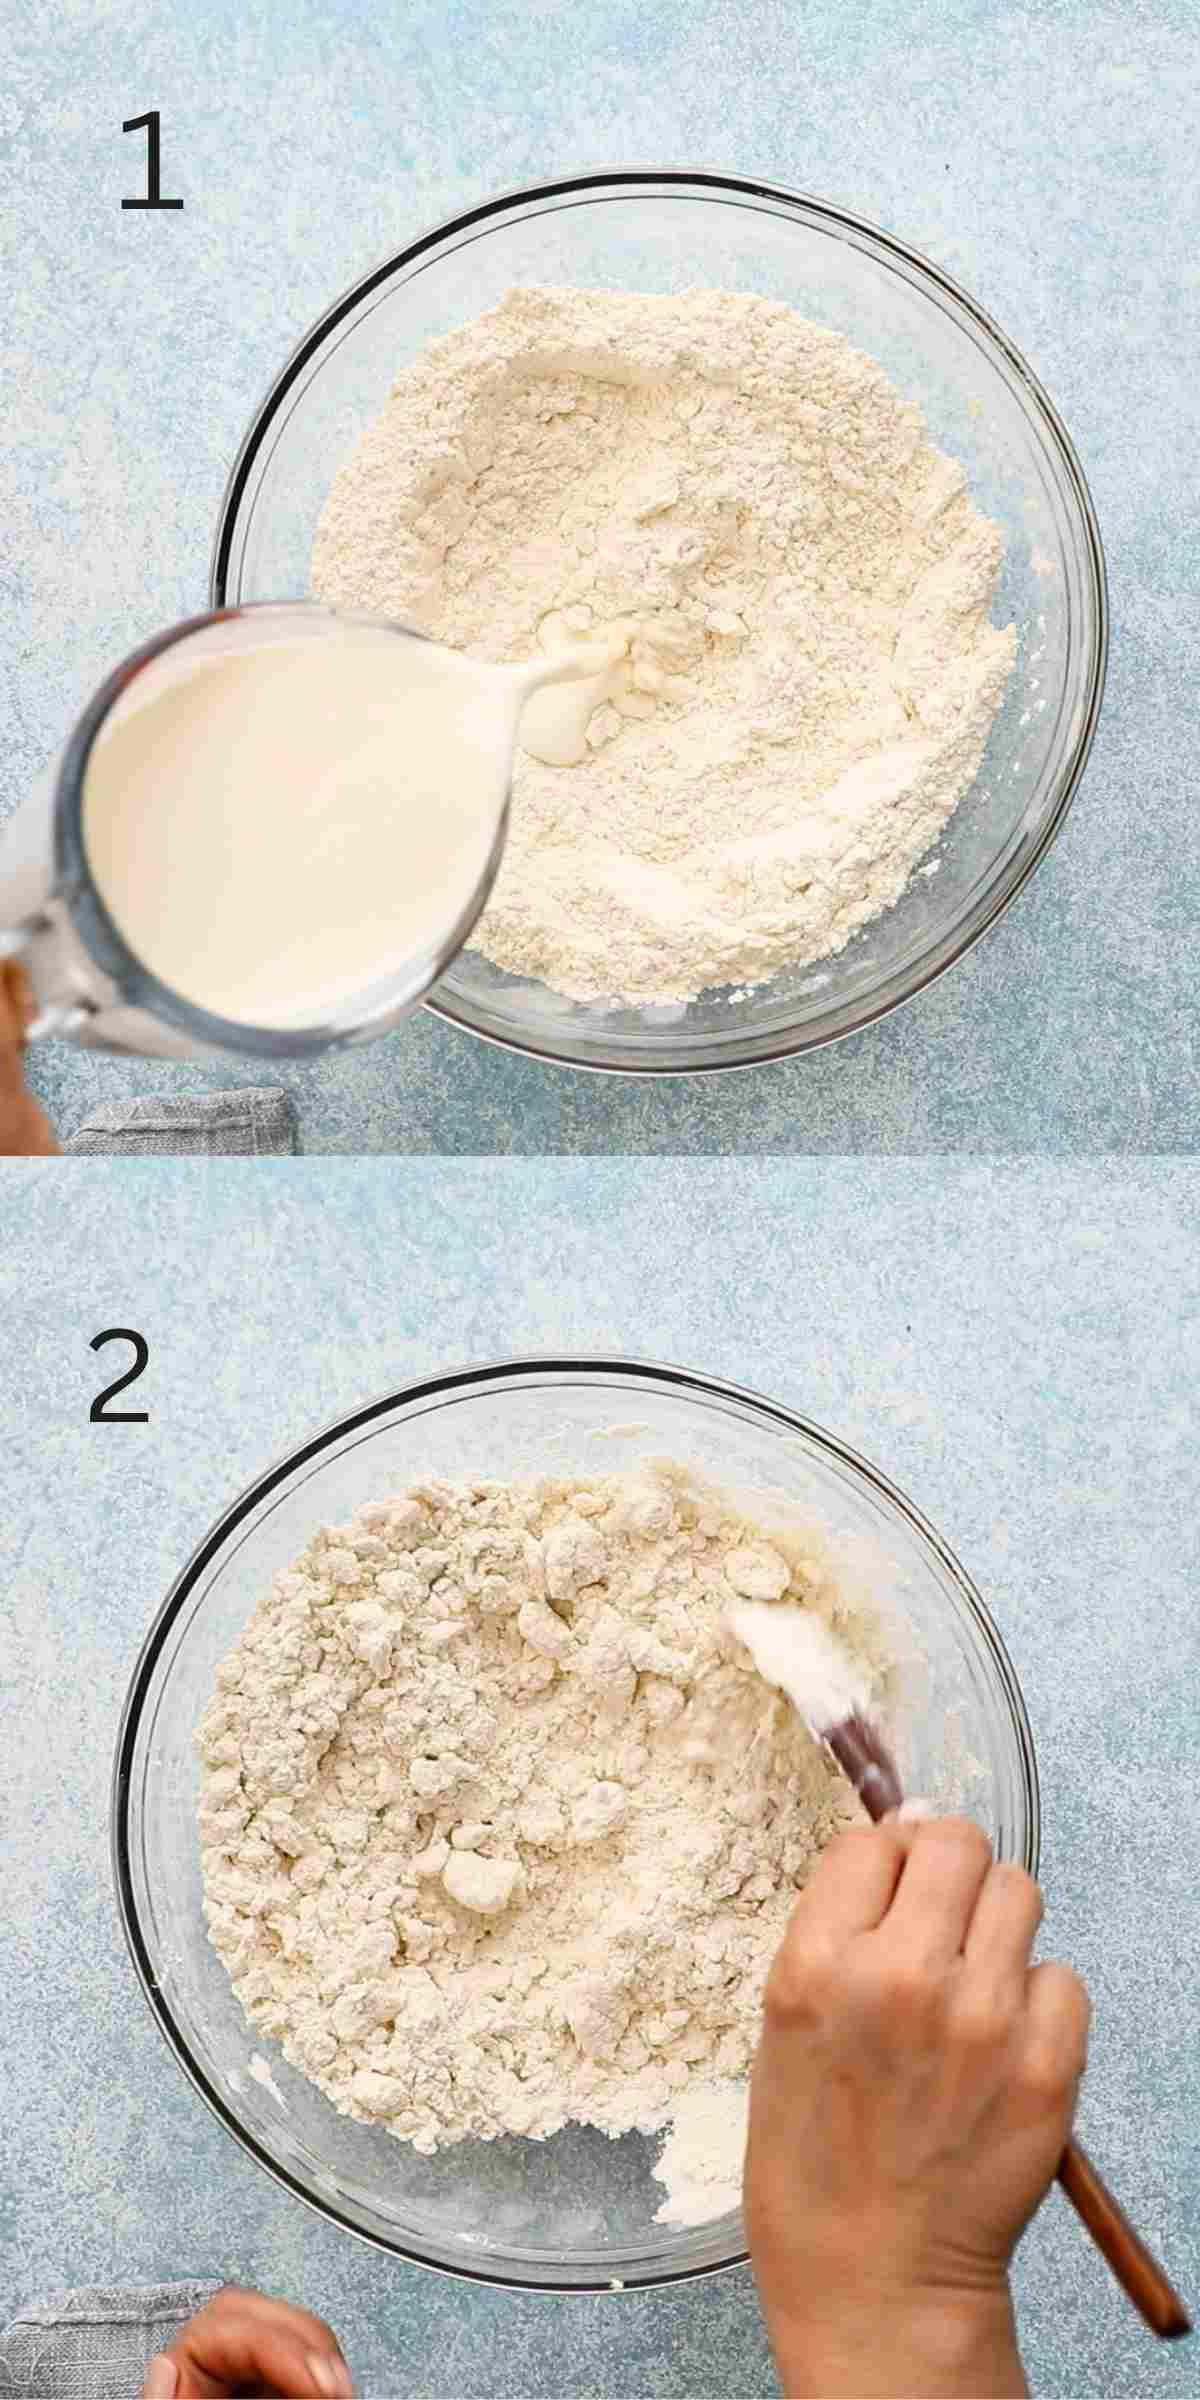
[[576, 2212], [662, 231]]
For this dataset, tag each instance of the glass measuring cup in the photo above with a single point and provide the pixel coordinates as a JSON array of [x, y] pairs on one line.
[[89, 984]]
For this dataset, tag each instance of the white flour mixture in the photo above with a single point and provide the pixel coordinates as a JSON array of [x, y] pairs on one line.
[[803, 584], [499, 1826]]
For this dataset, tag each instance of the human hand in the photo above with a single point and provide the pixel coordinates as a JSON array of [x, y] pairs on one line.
[[912, 2095], [243, 2342], [25, 1132]]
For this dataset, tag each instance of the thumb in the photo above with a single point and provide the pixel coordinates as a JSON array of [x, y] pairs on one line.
[[162, 2378], [17, 1005]]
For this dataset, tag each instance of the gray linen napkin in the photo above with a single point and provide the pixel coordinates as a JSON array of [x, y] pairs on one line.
[[239, 1124], [95, 2344]]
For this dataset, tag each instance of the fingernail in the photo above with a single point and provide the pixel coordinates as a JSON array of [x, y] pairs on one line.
[[162, 2378], [325, 2375]]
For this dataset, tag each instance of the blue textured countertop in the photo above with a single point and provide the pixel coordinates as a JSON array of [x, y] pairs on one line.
[[1043, 153], [1016, 1345]]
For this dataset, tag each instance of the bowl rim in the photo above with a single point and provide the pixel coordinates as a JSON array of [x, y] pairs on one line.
[[457, 1382], [788, 1041]]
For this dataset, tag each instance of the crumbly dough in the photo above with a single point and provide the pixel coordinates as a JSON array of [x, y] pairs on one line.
[[700, 2163], [500, 1828], [799, 580]]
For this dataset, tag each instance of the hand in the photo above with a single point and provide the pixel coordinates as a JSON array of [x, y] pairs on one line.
[[243, 2342], [24, 1131], [912, 2095]]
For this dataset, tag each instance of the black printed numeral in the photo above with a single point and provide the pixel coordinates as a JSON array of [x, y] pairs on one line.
[[100, 1413], [153, 196]]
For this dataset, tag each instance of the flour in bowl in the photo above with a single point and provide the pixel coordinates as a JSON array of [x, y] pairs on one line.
[[500, 1829], [801, 584]]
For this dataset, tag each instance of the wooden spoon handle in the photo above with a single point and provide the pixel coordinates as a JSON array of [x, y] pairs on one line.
[[1136, 2270], [863, 1756], [867, 1763]]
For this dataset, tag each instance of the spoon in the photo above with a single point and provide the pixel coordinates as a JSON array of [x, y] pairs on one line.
[[797, 1652]]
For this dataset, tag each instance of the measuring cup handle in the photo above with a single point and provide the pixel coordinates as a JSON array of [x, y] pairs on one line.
[[57, 1016], [63, 1017], [16, 939]]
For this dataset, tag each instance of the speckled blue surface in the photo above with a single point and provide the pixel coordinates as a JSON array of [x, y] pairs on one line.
[[1017, 1344], [1043, 153]]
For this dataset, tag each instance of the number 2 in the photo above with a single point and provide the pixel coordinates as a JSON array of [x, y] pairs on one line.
[[153, 197], [100, 1413]]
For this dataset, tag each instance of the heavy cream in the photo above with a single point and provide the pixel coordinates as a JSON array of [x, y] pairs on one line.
[[277, 830]]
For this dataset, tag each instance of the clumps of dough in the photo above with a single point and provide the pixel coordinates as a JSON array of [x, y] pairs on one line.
[[757, 1573], [484, 1885], [499, 1827]]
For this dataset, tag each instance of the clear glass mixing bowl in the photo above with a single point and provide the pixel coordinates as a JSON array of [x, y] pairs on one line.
[[663, 231], [575, 2213]]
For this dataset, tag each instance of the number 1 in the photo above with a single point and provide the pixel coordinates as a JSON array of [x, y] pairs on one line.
[[154, 198]]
